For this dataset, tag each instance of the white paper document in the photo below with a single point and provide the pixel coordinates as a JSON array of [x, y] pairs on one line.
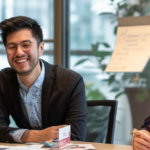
[[132, 49], [3, 147]]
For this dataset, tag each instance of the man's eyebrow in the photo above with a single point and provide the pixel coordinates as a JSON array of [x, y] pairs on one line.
[[21, 42], [9, 43], [26, 41]]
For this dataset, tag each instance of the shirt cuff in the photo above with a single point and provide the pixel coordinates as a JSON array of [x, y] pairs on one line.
[[17, 134]]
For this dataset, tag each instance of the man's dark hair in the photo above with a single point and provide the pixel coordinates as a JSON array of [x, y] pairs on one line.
[[21, 22]]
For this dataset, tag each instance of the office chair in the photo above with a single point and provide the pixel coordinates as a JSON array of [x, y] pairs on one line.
[[101, 120]]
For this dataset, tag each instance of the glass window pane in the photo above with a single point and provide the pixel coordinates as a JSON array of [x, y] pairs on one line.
[[48, 53], [87, 26], [41, 12]]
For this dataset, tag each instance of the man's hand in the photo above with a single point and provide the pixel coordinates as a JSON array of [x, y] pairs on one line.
[[48, 134], [141, 140], [51, 133]]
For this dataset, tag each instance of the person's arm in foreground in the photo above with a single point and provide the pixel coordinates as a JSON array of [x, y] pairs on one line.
[[141, 138]]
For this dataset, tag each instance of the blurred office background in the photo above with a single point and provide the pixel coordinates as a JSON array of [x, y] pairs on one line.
[[91, 26]]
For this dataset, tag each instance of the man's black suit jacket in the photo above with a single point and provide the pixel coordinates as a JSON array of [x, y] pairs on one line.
[[63, 102]]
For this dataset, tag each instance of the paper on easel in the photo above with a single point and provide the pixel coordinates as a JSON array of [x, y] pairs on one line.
[[132, 50]]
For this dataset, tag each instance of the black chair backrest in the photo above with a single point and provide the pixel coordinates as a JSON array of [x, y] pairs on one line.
[[108, 115]]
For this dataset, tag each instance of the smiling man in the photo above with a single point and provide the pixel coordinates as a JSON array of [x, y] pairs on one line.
[[39, 96]]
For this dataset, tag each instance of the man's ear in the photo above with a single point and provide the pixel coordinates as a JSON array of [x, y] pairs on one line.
[[41, 48]]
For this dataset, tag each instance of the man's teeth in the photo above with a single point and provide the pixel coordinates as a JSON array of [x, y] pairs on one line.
[[21, 61]]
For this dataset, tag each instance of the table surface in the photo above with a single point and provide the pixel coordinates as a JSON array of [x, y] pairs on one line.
[[99, 146], [102, 146]]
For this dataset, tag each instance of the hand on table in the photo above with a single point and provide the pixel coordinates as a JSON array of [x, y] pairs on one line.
[[48, 134], [141, 140], [51, 133]]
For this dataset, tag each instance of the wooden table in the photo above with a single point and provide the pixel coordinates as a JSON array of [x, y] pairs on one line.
[[99, 146], [102, 146]]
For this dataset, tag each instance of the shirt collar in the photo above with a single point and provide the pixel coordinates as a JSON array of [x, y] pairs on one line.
[[39, 81]]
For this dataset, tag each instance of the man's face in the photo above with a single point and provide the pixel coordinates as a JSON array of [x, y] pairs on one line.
[[24, 62]]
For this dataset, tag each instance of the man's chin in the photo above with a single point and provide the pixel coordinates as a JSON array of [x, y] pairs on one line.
[[24, 73]]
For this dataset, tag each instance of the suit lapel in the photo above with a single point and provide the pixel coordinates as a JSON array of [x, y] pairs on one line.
[[46, 92]]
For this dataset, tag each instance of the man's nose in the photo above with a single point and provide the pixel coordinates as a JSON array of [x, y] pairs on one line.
[[19, 51]]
